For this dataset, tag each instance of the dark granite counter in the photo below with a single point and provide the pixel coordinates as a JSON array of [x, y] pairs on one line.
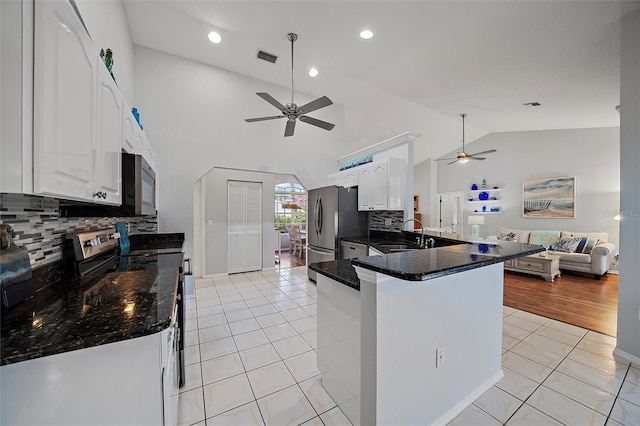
[[338, 270], [420, 265], [134, 299], [451, 257]]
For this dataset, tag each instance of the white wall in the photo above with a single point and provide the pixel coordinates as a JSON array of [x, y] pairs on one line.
[[109, 28], [425, 187], [591, 155], [628, 342], [193, 115], [215, 217]]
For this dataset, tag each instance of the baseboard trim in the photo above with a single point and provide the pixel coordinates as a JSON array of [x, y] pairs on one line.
[[626, 356], [462, 405]]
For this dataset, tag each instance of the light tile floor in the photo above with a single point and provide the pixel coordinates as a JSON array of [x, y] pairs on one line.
[[251, 359]]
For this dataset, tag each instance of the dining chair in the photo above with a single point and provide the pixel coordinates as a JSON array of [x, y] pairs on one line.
[[299, 241]]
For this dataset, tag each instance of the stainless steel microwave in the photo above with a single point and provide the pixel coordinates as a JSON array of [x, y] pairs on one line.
[[138, 186], [138, 193]]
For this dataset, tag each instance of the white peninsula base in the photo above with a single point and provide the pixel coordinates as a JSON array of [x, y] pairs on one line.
[[403, 325]]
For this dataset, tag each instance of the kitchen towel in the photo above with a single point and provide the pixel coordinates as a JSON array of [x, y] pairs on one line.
[[121, 228]]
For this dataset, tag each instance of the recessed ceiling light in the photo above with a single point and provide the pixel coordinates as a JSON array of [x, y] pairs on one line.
[[313, 72], [366, 34], [214, 37]]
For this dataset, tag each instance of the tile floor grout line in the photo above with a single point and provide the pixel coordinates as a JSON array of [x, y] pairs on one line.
[[617, 395]]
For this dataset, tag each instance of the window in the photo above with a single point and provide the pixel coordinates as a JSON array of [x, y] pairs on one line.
[[290, 205]]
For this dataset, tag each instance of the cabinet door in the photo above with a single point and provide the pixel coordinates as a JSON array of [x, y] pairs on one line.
[[349, 178], [365, 177], [109, 140], [131, 132], [64, 103], [335, 179], [380, 194]]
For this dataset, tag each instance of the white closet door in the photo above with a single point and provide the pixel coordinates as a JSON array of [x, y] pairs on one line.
[[254, 226], [244, 223]]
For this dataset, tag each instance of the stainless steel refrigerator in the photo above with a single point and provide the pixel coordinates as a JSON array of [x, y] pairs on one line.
[[332, 214]]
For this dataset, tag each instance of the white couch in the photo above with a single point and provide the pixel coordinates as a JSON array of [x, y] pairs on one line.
[[597, 262]]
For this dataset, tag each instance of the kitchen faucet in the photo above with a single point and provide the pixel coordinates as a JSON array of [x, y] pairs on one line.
[[421, 244]]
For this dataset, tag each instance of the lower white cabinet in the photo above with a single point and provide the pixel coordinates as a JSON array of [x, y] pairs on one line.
[[116, 384], [382, 185]]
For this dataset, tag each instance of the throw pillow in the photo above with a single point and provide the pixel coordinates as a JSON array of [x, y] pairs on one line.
[[548, 239], [586, 244], [508, 236], [568, 245]]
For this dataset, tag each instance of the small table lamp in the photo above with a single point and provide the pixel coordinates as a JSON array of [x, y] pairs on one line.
[[475, 221]]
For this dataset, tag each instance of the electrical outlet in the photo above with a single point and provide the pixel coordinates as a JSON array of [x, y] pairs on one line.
[[387, 221], [439, 356]]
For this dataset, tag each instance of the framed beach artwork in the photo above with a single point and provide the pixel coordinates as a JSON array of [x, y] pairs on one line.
[[549, 198]]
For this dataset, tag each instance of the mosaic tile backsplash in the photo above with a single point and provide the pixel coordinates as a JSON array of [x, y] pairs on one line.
[[376, 220], [39, 227]]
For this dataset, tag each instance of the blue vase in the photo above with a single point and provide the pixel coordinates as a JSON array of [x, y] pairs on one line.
[[474, 187]]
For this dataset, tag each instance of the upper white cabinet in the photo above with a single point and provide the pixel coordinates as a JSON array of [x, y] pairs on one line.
[[346, 178], [108, 173], [382, 185], [64, 104], [131, 132]]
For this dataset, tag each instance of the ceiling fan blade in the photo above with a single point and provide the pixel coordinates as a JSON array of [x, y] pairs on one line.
[[267, 97], [314, 105], [316, 122], [453, 162], [447, 158], [475, 158], [291, 125], [251, 120], [483, 152]]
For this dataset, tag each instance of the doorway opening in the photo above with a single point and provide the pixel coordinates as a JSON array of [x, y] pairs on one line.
[[290, 209]]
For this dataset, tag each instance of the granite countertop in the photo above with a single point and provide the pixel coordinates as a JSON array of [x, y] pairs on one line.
[[419, 265], [133, 300], [338, 270]]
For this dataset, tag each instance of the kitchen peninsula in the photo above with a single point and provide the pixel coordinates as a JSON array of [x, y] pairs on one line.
[[413, 337]]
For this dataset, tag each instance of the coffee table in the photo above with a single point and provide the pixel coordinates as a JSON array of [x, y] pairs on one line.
[[534, 264]]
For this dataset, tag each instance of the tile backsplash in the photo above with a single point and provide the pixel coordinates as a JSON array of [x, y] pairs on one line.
[[377, 220], [39, 227]]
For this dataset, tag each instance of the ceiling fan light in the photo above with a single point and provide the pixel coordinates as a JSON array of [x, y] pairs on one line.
[[463, 160], [366, 34], [313, 72], [214, 37]]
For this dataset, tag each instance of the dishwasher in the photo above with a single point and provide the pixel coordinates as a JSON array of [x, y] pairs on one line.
[[351, 250]]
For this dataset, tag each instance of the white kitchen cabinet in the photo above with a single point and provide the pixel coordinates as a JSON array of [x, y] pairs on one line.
[[108, 173], [346, 178], [131, 132], [113, 384], [382, 185], [77, 112], [64, 104]]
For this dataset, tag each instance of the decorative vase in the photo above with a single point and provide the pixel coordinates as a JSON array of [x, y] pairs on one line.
[[483, 196], [474, 187]]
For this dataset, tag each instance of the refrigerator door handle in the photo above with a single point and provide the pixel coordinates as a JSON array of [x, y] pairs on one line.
[[320, 213], [315, 213], [320, 251]]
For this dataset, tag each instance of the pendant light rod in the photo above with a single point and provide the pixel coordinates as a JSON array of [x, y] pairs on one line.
[[292, 37], [463, 116]]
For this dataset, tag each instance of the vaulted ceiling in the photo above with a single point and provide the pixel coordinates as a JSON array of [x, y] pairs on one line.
[[483, 58]]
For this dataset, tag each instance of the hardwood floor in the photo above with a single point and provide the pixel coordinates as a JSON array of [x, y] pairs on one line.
[[288, 260], [572, 298]]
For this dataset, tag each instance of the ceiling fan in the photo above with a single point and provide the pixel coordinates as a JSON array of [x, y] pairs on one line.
[[463, 157], [291, 110]]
